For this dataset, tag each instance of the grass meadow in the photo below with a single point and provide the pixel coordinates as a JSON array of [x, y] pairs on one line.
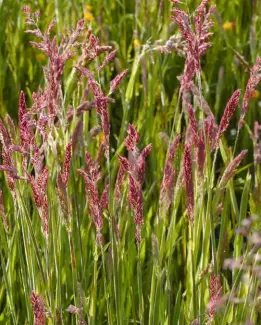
[[130, 169]]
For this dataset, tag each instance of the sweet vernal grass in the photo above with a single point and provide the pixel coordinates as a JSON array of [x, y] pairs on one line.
[[191, 261]]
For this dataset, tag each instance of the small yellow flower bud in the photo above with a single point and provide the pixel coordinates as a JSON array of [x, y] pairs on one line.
[[255, 94], [228, 25], [88, 16], [136, 43]]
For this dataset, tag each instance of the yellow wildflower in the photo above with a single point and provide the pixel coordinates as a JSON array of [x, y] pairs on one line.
[[228, 25], [136, 43], [88, 16], [40, 57], [255, 94]]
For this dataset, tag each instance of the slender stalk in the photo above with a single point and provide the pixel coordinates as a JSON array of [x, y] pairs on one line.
[[94, 288], [157, 265], [8, 289], [58, 15], [105, 283], [32, 235], [74, 268], [140, 294], [236, 141], [115, 273], [191, 271], [152, 296]]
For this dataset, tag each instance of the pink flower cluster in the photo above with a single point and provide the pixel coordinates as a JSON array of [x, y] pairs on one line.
[[167, 185], [189, 186], [215, 291], [62, 183], [100, 101], [253, 81], [2, 211], [195, 38], [135, 167], [228, 113], [97, 203], [38, 308], [51, 98], [39, 189], [231, 169]]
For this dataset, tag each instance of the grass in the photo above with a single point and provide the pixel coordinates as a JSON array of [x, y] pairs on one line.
[[169, 278]]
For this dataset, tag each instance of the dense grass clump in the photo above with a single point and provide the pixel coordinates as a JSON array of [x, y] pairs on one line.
[[130, 172]]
